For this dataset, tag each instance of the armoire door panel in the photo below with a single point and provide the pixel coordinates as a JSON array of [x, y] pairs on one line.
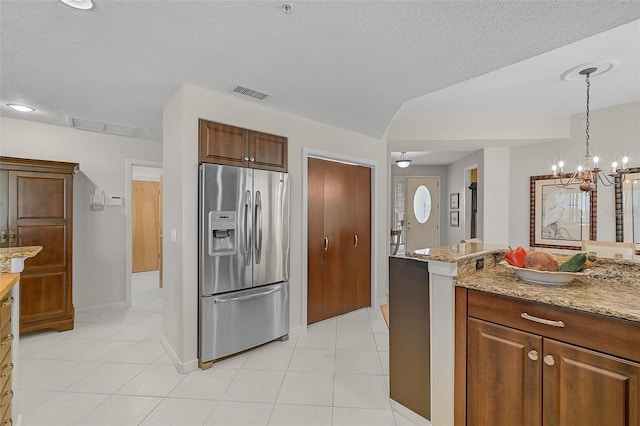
[[315, 241], [52, 240], [40, 196], [333, 205], [363, 232], [42, 297]]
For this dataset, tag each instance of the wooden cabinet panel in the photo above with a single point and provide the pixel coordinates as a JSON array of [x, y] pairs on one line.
[[269, 152], [235, 146], [222, 144], [584, 387], [40, 196], [39, 199], [333, 199], [42, 297], [315, 242], [52, 240], [503, 383]]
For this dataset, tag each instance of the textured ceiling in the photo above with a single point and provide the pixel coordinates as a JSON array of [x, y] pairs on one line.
[[345, 63]]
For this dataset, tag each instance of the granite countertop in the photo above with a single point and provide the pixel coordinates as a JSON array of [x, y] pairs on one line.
[[612, 288], [6, 254], [457, 252]]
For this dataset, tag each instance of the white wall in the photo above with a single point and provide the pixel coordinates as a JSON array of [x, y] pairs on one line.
[[614, 131], [180, 198], [98, 236]]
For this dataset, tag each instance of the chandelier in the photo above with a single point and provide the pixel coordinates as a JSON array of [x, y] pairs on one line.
[[404, 161], [589, 172]]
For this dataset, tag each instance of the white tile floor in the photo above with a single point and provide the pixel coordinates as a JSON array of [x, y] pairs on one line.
[[112, 370]]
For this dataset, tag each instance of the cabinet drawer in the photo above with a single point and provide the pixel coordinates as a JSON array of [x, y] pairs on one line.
[[5, 310], [5, 401], [6, 368], [605, 334]]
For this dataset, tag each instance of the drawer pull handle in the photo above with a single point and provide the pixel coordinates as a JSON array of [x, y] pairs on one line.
[[7, 302], [8, 339], [533, 355], [542, 320], [7, 367]]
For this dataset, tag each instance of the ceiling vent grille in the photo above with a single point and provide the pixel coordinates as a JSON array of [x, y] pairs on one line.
[[250, 93], [102, 127]]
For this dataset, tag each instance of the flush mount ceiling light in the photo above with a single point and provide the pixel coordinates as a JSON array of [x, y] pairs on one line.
[[588, 173], [79, 4], [21, 108], [404, 161]]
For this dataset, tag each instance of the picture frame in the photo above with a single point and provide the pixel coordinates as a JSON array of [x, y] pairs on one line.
[[454, 200], [560, 216], [627, 198], [454, 218]]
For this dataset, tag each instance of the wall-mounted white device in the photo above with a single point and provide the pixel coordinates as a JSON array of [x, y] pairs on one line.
[[97, 200]]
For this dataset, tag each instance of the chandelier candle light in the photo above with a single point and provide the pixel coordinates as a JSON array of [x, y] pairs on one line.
[[586, 176]]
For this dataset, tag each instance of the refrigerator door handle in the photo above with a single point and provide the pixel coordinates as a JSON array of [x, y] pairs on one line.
[[249, 297], [258, 227], [247, 237]]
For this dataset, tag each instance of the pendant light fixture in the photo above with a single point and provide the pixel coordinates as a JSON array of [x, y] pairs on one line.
[[588, 174], [404, 161]]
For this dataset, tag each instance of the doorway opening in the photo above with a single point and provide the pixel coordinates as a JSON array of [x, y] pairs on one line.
[[416, 213], [143, 233]]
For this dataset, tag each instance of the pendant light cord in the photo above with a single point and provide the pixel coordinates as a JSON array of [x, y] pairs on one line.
[[587, 126]]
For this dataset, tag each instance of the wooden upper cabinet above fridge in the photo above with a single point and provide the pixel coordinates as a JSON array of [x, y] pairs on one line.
[[235, 146]]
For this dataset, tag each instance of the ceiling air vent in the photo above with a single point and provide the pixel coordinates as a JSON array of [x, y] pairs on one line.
[[250, 93], [102, 127]]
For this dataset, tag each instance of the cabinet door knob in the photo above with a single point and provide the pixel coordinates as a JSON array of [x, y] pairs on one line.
[[549, 360], [252, 159], [8, 339], [12, 236], [245, 158], [7, 368], [7, 302], [533, 355], [3, 236]]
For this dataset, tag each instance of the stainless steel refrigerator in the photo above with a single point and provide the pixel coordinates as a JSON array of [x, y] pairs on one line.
[[243, 259]]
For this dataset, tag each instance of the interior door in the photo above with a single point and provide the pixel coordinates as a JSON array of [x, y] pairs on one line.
[[315, 241], [422, 213], [145, 212], [160, 235]]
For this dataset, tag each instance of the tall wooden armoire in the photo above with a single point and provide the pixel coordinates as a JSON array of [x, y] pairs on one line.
[[36, 209]]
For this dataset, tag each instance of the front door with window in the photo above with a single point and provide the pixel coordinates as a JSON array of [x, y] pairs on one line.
[[422, 213]]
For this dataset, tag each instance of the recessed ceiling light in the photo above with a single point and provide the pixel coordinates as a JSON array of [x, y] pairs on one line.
[[21, 108], [79, 4]]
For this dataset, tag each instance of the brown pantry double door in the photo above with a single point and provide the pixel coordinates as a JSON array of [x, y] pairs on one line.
[[339, 239]]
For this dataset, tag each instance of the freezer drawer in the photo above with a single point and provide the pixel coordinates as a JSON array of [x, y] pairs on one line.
[[237, 321]]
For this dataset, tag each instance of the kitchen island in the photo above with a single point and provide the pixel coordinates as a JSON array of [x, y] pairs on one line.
[[595, 323]]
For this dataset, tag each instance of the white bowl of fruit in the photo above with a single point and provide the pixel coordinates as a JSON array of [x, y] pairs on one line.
[[540, 267]]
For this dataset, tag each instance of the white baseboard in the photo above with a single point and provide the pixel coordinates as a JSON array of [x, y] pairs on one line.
[[409, 414], [113, 306], [381, 301], [182, 367]]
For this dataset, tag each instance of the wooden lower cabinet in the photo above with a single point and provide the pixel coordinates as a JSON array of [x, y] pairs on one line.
[[528, 376], [6, 366], [503, 382]]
